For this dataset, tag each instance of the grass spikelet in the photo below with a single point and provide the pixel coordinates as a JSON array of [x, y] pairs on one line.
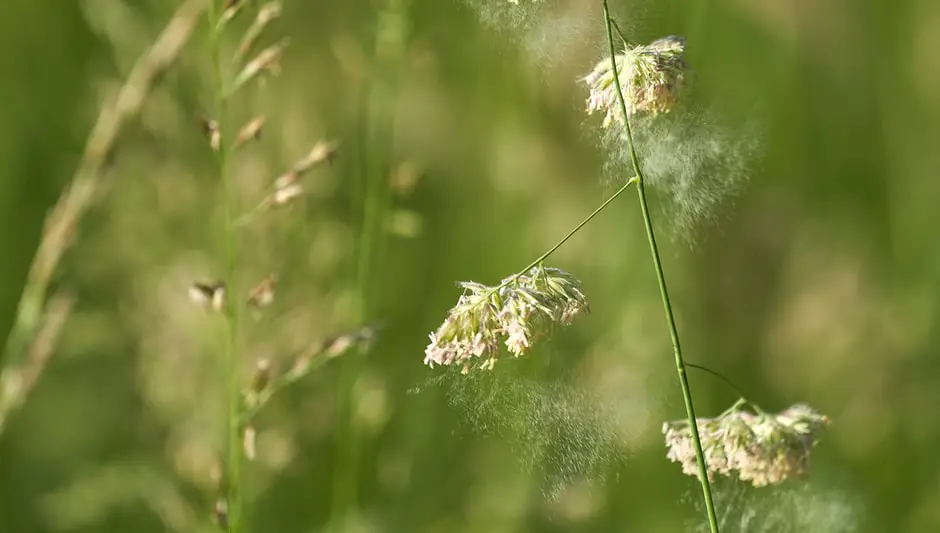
[[248, 132], [762, 449], [651, 77], [517, 312], [266, 61], [266, 14]]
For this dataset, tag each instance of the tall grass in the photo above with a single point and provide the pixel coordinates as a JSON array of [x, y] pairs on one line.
[[488, 322], [661, 280], [38, 317]]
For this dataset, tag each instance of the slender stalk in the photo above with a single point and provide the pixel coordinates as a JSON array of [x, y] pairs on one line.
[[371, 193], [718, 375], [742, 399], [563, 240], [233, 451], [577, 228], [344, 493], [661, 278], [78, 198], [377, 99], [677, 351]]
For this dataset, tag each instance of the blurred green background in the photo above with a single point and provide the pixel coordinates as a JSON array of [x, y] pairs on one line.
[[816, 281]]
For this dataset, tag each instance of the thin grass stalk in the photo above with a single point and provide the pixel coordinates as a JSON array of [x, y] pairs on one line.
[[374, 198], [374, 192], [232, 392], [17, 381], [344, 490], [545, 255], [661, 278], [62, 222], [571, 233]]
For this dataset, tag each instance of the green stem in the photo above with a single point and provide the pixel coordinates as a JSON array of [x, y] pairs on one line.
[[740, 402], [314, 358], [24, 328], [620, 33], [718, 375], [371, 191], [571, 233], [233, 459], [680, 364], [742, 399], [661, 278], [563, 240]]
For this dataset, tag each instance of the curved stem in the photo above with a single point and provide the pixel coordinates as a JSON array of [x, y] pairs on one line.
[[577, 228], [661, 278], [740, 402], [82, 191], [742, 399], [563, 240], [232, 485], [718, 375], [619, 32]]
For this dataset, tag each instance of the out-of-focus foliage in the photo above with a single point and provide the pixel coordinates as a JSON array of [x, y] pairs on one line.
[[816, 281]]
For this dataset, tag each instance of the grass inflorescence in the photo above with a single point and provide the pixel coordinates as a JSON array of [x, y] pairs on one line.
[[226, 293], [638, 90], [250, 62], [652, 139]]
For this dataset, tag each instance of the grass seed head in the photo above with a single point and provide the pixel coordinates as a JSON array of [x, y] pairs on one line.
[[208, 295], [515, 313], [250, 131], [763, 449], [651, 77]]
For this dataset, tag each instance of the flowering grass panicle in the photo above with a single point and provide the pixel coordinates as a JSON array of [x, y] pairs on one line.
[[519, 310], [650, 77], [763, 449]]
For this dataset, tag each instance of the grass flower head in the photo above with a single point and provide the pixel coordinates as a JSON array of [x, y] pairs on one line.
[[515, 313], [650, 77], [763, 449]]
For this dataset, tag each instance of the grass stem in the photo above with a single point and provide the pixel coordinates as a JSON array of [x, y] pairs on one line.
[[574, 230], [78, 198], [371, 193], [661, 278], [233, 448]]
